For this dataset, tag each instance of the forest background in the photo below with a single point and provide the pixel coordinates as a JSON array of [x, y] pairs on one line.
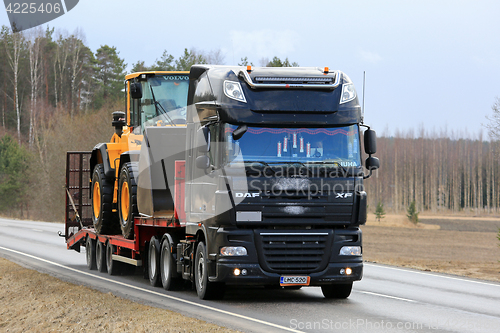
[[57, 95]]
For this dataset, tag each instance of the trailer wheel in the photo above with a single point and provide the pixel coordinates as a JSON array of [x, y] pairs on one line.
[[102, 203], [205, 288], [154, 262], [337, 291], [168, 269], [127, 198], [90, 253], [100, 257], [113, 267]]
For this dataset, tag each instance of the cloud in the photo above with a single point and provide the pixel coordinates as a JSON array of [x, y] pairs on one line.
[[263, 43], [371, 57]]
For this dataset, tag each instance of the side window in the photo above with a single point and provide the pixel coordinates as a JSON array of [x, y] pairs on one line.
[[134, 108], [214, 144]]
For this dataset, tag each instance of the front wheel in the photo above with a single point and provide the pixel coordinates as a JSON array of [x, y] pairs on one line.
[[127, 198], [103, 218], [337, 291], [204, 288]]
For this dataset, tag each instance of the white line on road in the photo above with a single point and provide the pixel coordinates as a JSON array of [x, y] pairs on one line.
[[387, 296], [435, 275], [157, 293]]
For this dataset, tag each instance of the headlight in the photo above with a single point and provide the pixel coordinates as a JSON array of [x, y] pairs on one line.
[[233, 251], [350, 251], [233, 90], [348, 93]]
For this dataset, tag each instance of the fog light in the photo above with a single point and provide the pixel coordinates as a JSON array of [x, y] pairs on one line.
[[237, 271], [243, 272], [350, 251], [345, 271]]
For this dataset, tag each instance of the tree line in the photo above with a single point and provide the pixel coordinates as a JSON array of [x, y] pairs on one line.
[[57, 95], [440, 172]]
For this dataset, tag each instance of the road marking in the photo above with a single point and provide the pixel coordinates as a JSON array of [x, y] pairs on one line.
[[435, 275], [387, 296], [37, 230], [157, 293]]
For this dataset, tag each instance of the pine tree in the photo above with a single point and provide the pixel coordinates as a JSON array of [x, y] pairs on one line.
[[379, 211], [412, 213]]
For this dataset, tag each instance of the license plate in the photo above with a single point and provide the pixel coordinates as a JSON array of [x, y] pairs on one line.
[[287, 280]]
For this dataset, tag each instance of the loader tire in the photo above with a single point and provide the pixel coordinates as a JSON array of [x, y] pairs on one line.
[[104, 219], [127, 198]]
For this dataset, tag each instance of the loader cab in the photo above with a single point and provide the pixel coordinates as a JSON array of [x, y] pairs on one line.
[[156, 99]]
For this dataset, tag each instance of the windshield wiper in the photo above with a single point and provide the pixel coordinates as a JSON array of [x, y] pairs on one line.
[[164, 112], [264, 164], [309, 174]]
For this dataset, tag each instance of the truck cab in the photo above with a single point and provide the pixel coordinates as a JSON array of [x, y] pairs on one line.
[[274, 178]]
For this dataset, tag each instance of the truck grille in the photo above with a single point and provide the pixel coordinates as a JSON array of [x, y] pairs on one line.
[[294, 252]]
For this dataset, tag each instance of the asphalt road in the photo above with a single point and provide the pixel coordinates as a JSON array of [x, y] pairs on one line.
[[388, 299]]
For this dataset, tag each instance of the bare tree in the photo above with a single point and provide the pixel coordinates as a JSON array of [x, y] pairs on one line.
[[34, 40], [494, 121], [14, 46]]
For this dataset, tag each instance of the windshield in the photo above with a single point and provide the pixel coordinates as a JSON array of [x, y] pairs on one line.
[[296, 145], [164, 98]]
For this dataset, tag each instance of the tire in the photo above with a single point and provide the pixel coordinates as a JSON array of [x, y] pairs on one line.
[[90, 253], [168, 267], [204, 288], [113, 267], [104, 219], [127, 198], [100, 257], [154, 262], [337, 291]]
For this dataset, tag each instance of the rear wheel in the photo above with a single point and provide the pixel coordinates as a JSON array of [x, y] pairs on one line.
[[168, 269], [205, 288], [113, 267], [337, 290], [90, 253], [154, 262], [100, 256], [127, 198], [102, 203]]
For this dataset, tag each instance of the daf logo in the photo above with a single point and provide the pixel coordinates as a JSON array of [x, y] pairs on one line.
[[247, 195], [343, 195]]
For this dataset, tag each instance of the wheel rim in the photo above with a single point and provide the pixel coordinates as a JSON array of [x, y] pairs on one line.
[[125, 201], [96, 199], [152, 261], [98, 255], [87, 251], [201, 264], [166, 264]]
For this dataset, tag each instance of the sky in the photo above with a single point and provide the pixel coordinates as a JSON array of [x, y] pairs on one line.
[[429, 64]]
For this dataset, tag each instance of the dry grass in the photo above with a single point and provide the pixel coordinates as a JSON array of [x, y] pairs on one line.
[[36, 302]]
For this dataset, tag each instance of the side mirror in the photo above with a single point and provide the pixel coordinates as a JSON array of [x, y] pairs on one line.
[[136, 90], [372, 163], [202, 162], [238, 133], [203, 140], [370, 141]]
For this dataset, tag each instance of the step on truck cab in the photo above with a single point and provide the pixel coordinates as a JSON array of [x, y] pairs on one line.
[[260, 184]]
